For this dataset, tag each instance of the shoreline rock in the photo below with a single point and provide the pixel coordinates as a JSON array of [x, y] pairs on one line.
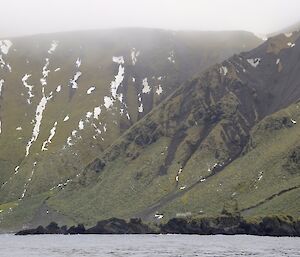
[[231, 225], [225, 224], [110, 226]]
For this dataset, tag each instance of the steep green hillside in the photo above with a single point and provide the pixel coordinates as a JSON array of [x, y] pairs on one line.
[[65, 98], [228, 138]]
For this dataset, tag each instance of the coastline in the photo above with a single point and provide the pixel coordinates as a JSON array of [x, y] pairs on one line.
[[277, 226]]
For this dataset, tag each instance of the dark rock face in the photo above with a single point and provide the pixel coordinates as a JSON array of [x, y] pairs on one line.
[[52, 228], [110, 226], [97, 165], [279, 123], [229, 225], [80, 229], [119, 226], [292, 164]]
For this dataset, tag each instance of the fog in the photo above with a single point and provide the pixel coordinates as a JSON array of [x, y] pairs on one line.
[[23, 17]]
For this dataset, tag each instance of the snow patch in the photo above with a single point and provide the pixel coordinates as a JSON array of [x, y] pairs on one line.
[[29, 87], [89, 115], [97, 112], [81, 125], [159, 90], [114, 85], [45, 72], [254, 62], [134, 55], [158, 216], [5, 45], [90, 90], [2, 62], [38, 120], [1, 85], [260, 175], [57, 69], [146, 88], [48, 141], [73, 82], [291, 44], [54, 44], [17, 169], [19, 128], [69, 141], [288, 34], [58, 89], [223, 70], [171, 57], [118, 59], [141, 108], [66, 118], [8, 67], [108, 102], [78, 62]]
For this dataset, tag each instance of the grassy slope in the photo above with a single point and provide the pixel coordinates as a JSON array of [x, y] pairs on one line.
[[194, 51], [240, 180], [257, 176], [117, 192]]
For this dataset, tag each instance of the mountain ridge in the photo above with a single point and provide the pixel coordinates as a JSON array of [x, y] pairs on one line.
[[176, 150]]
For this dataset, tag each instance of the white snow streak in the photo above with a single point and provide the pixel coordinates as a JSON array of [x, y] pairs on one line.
[[171, 57], [90, 90], [108, 102], [38, 120], [29, 87], [58, 89], [141, 108], [45, 73], [97, 112], [1, 85], [291, 44], [134, 55], [54, 44], [223, 70], [78, 62], [288, 34], [48, 141], [73, 81], [66, 118], [159, 90], [81, 125], [146, 88], [5, 46], [118, 59], [114, 85], [254, 62]]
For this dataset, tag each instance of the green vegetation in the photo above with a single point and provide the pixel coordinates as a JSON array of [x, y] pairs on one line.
[[205, 146]]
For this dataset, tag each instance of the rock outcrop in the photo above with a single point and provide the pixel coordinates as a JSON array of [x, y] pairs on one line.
[[230, 225], [227, 225]]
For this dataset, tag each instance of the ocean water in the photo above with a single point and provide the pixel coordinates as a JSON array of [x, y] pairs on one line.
[[147, 245]]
